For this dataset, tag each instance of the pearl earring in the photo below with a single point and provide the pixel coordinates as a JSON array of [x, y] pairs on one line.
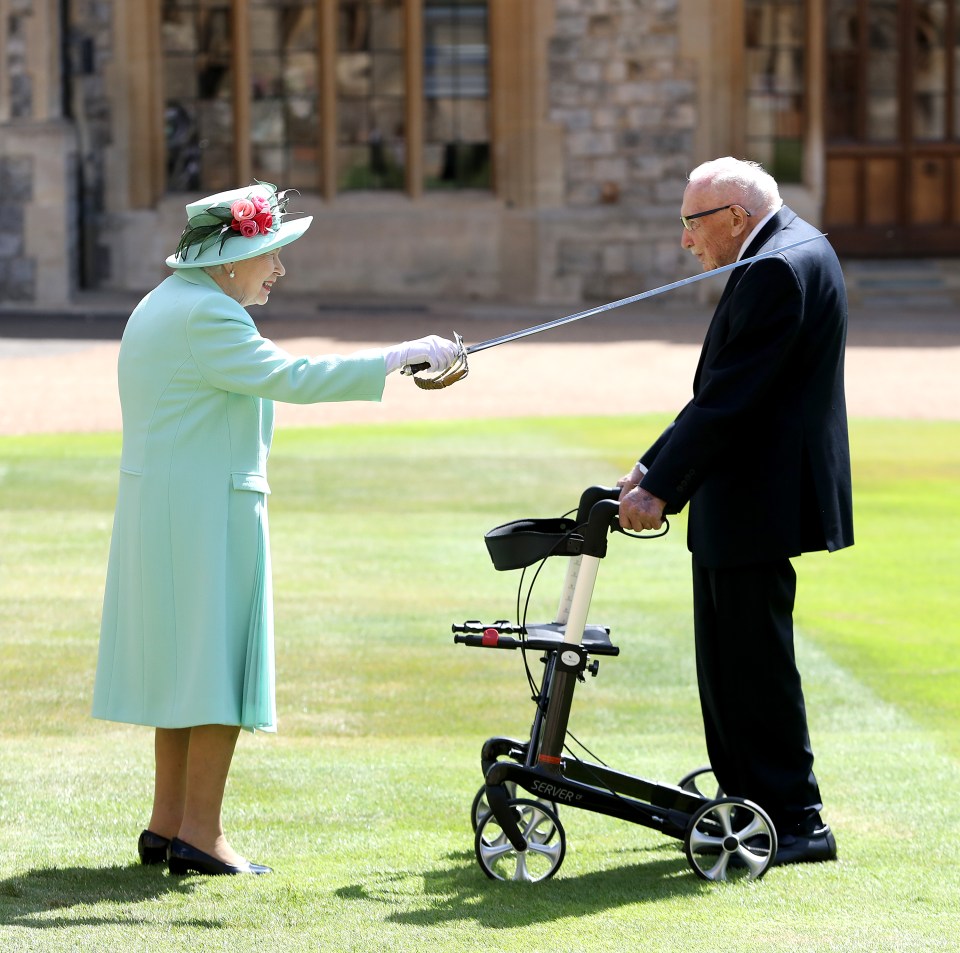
[[233, 273]]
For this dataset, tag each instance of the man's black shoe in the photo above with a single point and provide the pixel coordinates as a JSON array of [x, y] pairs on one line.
[[810, 848]]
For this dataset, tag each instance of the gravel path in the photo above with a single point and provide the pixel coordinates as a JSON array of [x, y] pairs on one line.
[[58, 372]]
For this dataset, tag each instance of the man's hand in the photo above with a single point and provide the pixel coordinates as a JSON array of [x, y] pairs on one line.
[[632, 478], [640, 510]]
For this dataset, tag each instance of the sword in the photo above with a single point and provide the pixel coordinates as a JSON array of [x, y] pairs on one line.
[[459, 369]]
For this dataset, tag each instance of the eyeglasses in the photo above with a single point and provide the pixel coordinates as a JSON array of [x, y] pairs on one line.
[[688, 219]]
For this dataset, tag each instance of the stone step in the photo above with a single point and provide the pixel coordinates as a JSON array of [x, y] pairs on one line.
[[931, 283]]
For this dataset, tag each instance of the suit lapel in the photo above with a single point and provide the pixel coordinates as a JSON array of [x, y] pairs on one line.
[[779, 221]]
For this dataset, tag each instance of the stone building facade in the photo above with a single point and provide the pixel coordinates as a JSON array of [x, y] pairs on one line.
[[525, 149], [37, 155]]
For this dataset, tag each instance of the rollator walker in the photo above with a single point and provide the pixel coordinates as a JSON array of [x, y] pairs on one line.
[[521, 837]]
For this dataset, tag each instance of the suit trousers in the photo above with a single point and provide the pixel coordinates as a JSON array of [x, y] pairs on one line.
[[750, 693]]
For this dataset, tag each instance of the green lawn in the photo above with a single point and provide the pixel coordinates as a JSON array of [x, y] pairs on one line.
[[361, 802], [888, 609]]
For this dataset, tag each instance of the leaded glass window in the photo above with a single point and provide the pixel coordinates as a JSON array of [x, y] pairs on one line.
[[776, 85]]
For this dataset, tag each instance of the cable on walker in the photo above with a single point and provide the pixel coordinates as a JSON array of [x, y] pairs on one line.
[[520, 527], [518, 834]]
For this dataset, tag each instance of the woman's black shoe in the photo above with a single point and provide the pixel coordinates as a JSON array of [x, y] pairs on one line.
[[182, 859], [152, 848]]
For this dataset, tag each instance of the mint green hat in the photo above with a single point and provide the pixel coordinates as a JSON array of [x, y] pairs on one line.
[[236, 225]]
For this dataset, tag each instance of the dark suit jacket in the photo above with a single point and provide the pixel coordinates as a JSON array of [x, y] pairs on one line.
[[761, 452]]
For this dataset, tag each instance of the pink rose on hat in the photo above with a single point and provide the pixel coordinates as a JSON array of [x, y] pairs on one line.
[[242, 210], [248, 228], [251, 216]]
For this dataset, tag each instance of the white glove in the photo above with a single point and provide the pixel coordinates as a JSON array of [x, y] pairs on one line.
[[436, 352]]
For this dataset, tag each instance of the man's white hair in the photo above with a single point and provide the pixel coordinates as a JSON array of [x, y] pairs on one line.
[[740, 178]]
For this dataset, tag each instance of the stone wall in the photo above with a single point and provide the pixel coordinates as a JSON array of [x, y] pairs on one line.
[[17, 269], [38, 198], [37, 169], [627, 100], [91, 50], [18, 81], [612, 134]]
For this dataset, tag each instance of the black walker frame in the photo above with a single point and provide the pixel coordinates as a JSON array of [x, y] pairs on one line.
[[521, 838]]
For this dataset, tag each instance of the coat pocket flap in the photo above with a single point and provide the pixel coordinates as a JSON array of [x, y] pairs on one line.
[[256, 482]]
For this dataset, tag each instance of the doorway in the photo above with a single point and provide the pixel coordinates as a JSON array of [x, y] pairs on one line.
[[892, 117]]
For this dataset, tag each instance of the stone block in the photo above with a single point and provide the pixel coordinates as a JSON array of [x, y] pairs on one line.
[[579, 257], [586, 71], [17, 279], [565, 93], [614, 169], [635, 93], [574, 120], [615, 71], [593, 143], [607, 118], [565, 49], [16, 179], [602, 25], [11, 243], [571, 26], [583, 194], [615, 259], [683, 116]]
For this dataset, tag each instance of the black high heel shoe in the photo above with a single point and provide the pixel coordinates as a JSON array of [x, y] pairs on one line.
[[182, 858], [152, 848]]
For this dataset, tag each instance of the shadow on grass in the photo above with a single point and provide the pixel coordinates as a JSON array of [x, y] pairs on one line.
[[41, 899], [462, 892]]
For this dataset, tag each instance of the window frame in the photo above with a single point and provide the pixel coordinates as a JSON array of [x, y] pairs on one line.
[[775, 138], [326, 51]]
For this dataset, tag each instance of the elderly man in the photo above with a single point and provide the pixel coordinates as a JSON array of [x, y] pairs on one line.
[[761, 455]]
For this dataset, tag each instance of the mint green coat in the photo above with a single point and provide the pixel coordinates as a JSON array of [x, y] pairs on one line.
[[186, 636]]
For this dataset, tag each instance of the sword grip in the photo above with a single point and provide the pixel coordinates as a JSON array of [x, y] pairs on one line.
[[410, 369]]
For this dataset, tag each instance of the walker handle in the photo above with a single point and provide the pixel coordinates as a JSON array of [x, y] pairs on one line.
[[594, 494], [603, 519]]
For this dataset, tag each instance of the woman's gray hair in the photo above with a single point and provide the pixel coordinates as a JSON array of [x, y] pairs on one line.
[[747, 179]]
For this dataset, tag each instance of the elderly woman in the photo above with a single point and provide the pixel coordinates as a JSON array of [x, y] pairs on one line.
[[186, 639]]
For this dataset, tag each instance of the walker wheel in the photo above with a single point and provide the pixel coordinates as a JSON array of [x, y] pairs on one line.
[[701, 782], [480, 808], [543, 833], [730, 835]]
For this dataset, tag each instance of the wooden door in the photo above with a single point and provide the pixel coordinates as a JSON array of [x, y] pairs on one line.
[[893, 127]]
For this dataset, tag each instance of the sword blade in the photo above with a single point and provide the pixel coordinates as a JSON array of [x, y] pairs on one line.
[[570, 318]]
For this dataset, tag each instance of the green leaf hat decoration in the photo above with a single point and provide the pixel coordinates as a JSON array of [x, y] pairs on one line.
[[217, 223]]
